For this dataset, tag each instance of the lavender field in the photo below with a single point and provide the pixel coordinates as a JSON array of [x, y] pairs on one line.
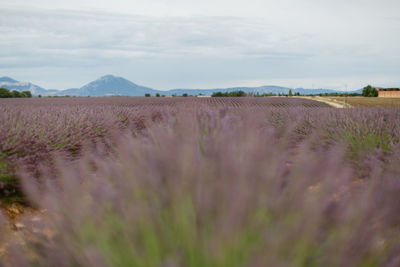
[[271, 181]]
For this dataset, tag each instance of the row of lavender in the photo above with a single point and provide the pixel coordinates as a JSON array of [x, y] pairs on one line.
[[188, 183], [33, 129]]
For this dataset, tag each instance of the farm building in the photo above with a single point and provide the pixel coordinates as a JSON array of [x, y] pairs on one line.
[[388, 92]]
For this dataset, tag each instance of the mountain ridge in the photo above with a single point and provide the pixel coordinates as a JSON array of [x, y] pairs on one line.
[[11, 84], [110, 85]]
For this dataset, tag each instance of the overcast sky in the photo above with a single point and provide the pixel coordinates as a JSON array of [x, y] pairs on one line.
[[168, 44]]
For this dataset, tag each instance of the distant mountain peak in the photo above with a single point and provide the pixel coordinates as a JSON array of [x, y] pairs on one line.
[[7, 79], [109, 76], [108, 79], [111, 85]]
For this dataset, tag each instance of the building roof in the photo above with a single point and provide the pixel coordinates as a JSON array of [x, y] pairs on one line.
[[388, 89]]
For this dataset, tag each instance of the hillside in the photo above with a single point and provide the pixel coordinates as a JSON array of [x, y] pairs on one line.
[[110, 85]]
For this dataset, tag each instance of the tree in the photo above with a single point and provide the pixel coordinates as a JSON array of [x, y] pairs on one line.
[[290, 92], [5, 93], [147, 95], [241, 93], [217, 94], [369, 91], [157, 95], [26, 94], [16, 94], [185, 95]]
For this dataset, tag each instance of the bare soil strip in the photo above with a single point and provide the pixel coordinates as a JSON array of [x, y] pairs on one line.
[[330, 102]]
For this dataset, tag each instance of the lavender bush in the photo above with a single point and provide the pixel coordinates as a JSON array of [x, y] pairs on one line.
[[188, 182]]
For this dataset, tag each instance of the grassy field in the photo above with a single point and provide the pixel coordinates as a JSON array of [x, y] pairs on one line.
[[369, 102], [198, 182]]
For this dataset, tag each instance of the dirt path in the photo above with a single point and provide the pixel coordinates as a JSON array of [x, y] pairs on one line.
[[330, 102], [18, 222]]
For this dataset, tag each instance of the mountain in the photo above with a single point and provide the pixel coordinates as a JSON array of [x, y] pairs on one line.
[[71, 92], [11, 84], [110, 85], [7, 80]]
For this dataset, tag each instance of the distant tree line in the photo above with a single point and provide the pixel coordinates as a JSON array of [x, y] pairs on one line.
[[368, 91], [339, 94], [257, 94], [229, 94], [5, 93], [173, 95]]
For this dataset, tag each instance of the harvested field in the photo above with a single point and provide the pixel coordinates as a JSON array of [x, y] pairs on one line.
[[369, 102]]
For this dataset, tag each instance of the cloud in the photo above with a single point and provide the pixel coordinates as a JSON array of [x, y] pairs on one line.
[[294, 39], [74, 33]]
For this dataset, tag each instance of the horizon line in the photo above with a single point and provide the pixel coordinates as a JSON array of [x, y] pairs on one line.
[[180, 88]]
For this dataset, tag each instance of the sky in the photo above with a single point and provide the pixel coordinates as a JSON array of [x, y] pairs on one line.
[[165, 44]]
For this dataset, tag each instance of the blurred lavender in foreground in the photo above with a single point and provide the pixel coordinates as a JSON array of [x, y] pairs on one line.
[[198, 185]]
